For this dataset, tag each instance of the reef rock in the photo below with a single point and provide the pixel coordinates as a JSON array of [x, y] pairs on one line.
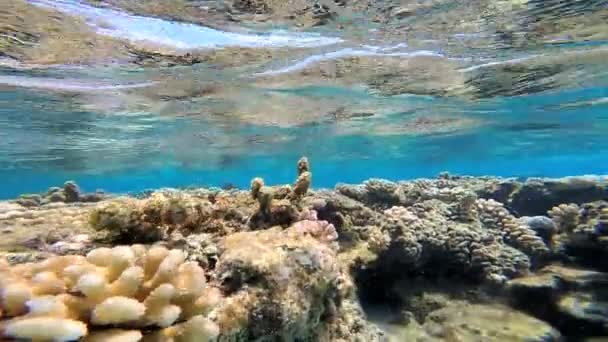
[[284, 285], [486, 323]]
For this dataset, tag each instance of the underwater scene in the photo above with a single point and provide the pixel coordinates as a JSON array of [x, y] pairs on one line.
[[304, 170]]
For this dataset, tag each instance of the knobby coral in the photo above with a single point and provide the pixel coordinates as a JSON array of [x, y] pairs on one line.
[[565, 217], [311, 225], [495, 216], [124, 291], [583, 227], [425, 233]]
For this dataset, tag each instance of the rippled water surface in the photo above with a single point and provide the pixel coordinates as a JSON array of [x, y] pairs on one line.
[[135, 98]]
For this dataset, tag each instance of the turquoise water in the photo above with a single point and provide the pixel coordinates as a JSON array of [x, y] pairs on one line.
[[126, 128], [42, 146]]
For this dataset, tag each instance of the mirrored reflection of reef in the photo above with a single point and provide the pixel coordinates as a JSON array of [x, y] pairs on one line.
[[451, 258]]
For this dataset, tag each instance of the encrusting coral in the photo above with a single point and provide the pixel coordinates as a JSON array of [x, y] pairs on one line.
[[129, 220], [115, 292]]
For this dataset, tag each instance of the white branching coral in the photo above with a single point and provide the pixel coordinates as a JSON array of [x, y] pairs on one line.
[[135, 288]]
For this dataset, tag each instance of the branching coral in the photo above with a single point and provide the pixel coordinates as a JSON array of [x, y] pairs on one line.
[[133, 288], [494, 216], [279, 205]]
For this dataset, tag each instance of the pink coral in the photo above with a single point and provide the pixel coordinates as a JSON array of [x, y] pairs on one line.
[[319, 229]]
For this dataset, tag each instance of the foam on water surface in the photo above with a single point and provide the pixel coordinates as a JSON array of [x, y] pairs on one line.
[[122, 25], [71, 85], [371, 51]]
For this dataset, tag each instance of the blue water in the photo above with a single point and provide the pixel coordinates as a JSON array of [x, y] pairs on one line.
[[88, 124], [525, 136]]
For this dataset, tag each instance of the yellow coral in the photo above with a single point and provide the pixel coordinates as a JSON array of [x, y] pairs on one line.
[[129, 287]]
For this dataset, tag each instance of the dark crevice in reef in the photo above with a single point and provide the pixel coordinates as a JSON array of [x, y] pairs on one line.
[[407, 292]]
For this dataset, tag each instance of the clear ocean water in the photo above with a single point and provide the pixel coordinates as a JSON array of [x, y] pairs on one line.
[[99, 125]]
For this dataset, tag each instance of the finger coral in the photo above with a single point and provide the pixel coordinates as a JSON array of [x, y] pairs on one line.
[[279, 205], [135, 288]]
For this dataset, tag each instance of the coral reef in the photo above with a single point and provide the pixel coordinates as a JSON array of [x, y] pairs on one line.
[[287, 263], [70, 193], [134, 288], [534, 196]]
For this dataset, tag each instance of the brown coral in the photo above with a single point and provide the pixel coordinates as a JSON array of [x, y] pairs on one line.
[[127, 287], [279, 205], [565, 217], [128, 220], [424, 232], [495, 216]]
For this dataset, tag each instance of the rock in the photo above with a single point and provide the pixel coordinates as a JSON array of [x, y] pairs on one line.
[[71, 191], [586, 312], [56, 197], [29, 201], [93, 197], [282, 285], [553, 280], [53, 190], [487, 323], [542, 225], [535, 285]]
